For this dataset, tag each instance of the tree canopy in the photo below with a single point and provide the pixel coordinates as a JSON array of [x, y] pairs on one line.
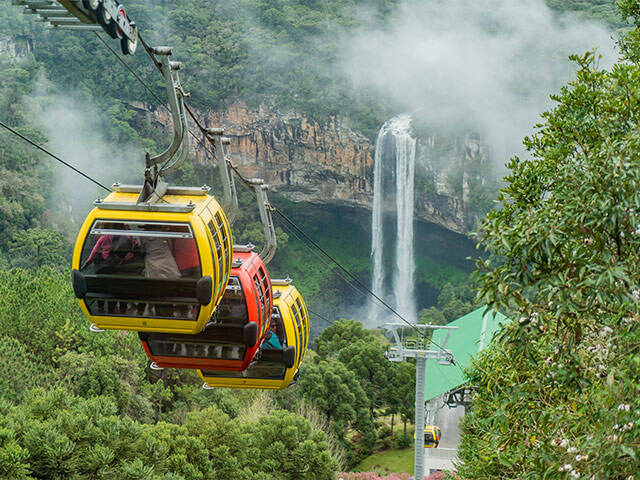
[[564, 253]]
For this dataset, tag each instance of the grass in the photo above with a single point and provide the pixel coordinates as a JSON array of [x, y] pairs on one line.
[[389, 461]]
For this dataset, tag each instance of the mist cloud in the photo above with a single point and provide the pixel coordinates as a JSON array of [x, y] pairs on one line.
[[76, 131], [487, 66]]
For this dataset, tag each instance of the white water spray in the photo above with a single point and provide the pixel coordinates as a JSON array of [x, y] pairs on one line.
[[395, 141], [377, 238]]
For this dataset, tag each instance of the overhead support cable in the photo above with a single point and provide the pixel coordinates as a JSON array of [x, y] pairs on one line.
[[52, 155]]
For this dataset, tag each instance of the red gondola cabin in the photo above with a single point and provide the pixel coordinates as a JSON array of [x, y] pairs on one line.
[[234, 334]]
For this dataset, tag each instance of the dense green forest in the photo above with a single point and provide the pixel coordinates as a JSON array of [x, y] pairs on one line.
[[79, 405]]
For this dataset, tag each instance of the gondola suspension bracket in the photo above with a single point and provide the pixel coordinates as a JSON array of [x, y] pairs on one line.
[[86, 15]]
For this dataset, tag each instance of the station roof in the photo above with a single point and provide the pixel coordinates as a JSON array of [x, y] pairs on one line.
[[474, 333]]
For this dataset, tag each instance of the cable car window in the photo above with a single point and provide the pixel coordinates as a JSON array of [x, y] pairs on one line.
[[276, 319], [296, 332], [168, 347], [213, 260], [262, 307], [228, 247], [262, 370], [226, 242], [141, 269], [227, 239], [215, 233], [232, 309], [296, 315], [305, 320], [265, 286]]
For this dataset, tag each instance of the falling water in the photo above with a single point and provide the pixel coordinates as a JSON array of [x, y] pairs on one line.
[[395, 157], [377, 239]]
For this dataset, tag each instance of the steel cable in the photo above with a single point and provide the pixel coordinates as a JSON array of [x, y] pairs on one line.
[[54, 156]]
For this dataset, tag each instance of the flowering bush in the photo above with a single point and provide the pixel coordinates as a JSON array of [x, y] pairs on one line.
[[557, 390], [372, 476]]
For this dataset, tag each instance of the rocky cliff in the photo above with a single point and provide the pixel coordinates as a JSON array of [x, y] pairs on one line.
[[455, 183], [325, 162], [16, 46]]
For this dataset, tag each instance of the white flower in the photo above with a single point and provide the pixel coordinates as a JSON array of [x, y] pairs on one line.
[[616, 426], [606, 331], [564, 442], [571, 449], [566, 467], [624, 406], [575, 473]]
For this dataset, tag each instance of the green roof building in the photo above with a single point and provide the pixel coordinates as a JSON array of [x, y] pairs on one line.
[[475, 331]]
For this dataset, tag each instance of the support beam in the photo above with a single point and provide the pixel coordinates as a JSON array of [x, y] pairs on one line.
[[418, 466]]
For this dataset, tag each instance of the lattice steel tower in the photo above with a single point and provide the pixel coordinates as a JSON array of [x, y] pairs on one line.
[[418, 347]]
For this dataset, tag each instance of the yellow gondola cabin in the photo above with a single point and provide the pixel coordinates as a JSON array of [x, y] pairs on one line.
[[160, 267], [276, 368]]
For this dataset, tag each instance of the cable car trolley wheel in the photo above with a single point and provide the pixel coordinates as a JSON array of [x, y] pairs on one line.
[[152, 267], [106, 20], [92, 5], [276, 368]]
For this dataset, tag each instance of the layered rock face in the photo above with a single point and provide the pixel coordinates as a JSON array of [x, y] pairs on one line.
[[16, 46], [305, 160], [326, 162], [454, 180]]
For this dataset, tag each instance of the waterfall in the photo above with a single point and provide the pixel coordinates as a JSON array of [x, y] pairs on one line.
[[377, 238], [393, 178]]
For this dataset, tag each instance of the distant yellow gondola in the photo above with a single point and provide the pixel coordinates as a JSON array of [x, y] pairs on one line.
[[160, 267], [276, 368], [431, 436]]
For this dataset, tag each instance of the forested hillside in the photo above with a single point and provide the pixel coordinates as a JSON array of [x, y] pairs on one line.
[[74, 404]]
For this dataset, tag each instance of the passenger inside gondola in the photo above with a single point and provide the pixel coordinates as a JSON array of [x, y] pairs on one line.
[[185, 252], [118, 251], [275, 334], [265, 367], [233, 306]]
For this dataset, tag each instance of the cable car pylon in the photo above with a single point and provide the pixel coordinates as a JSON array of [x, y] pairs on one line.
[[417, 347]]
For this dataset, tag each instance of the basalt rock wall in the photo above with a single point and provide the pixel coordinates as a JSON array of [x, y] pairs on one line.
[[326, 162]]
